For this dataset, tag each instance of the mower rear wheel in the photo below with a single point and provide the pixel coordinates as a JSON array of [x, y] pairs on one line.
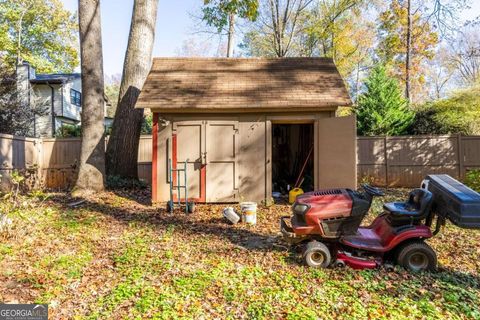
[[316, 255], [417, 256]]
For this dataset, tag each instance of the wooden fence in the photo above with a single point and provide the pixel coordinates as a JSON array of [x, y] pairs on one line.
[[54, 161], [388, 161], [405, 160]]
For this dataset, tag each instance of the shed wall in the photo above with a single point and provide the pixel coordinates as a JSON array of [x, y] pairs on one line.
[[254, 151]]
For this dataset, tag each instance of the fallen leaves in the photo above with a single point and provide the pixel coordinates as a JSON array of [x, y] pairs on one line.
[[116, 256]]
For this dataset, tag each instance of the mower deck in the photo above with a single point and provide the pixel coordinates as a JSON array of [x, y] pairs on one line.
[[380, 236]]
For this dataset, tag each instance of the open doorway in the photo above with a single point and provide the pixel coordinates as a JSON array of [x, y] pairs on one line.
[[292, 157]]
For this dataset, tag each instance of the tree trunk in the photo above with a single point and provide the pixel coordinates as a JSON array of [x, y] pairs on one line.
[[122, 150], [91, 169], [231, 34], [409, 51]]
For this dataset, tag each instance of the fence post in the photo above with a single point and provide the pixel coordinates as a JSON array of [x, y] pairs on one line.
[[39, 156], [461, 157], [385, 151]]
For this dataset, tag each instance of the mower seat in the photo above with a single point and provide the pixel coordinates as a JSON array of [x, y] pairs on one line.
[[415, 209]]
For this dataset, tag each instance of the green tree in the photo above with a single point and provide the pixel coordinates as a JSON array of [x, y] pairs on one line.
[[39, 31], [112, 91], [16, 116], [382, 109], [458, 113], [69, 131], [221, 14], [147, 124]]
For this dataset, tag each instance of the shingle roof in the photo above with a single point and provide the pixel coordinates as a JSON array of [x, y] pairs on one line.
[[226, 84], [55, 77]]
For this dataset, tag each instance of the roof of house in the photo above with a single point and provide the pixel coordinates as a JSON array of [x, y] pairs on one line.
[[253, 84], [55, 77]]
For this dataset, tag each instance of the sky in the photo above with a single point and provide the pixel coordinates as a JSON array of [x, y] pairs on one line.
[[175, 25]]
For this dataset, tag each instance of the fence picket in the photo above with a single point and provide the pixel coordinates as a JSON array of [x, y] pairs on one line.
[[390, 161]]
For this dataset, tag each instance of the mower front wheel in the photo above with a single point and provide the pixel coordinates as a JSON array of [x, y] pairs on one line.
[[316, 255], [417, 256]]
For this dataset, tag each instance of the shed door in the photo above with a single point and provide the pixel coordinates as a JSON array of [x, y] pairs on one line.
[[221, 158], [188, 143], [337, 152]]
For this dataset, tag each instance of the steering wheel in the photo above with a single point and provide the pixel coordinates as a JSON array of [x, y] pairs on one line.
[[372, 190]]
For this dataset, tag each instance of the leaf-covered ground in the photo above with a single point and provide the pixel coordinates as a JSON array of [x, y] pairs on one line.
[[117, 257]]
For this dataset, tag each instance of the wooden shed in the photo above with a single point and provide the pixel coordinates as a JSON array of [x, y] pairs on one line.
[[249, 127]]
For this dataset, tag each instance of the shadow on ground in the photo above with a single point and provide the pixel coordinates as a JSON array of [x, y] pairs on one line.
[[204, 224]]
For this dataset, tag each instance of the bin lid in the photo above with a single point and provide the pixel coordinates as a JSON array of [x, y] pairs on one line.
[[457, 189]]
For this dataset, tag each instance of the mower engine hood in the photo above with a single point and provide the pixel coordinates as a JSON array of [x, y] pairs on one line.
[[325, 204]]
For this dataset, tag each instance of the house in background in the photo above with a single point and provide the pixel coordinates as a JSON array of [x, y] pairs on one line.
[[247, 128], [58, 96]]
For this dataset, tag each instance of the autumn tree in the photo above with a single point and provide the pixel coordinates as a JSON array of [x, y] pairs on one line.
[[277, 28], [90, 177], [464, 55], [41, 32], [222, 15], [327, 28], [195, 47], [324, 21], [407, 41], [440, 73], [338, 29], [122, 149]]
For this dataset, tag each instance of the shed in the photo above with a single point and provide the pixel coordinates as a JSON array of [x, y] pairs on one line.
[[248, 127]]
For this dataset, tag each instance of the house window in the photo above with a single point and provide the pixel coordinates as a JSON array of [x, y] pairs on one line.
[[75, 97]]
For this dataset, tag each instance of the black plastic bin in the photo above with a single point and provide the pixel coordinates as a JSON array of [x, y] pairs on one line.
[[454, 200]]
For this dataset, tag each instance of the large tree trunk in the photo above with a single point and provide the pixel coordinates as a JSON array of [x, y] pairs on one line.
[[92, 151], [122, 150], [409, 51], [231, 34]]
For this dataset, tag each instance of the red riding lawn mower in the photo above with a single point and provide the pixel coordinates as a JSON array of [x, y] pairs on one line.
[[326, 225]]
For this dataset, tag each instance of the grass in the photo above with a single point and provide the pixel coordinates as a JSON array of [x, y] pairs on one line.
[[116, 258]]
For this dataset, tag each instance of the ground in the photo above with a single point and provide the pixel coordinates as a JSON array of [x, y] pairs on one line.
[[115, 256]]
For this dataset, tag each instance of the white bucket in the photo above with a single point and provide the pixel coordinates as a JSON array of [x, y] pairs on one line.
[[249, 212], [231, 215]]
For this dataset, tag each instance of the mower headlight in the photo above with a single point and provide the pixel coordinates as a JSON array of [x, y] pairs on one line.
[[300, 208]]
